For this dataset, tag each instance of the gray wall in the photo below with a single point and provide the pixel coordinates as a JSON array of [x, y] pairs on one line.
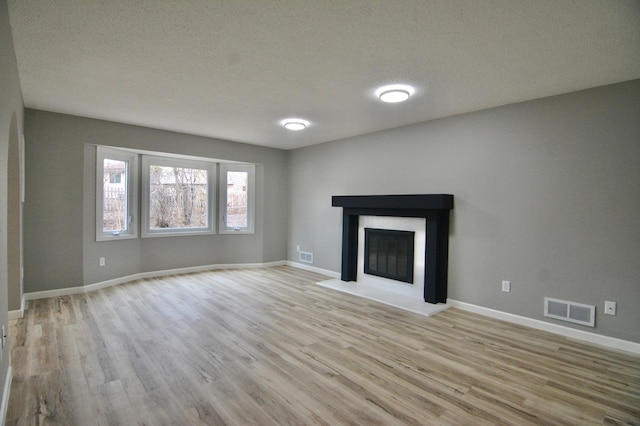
[[547, 195], [11, 119], [59, 237]]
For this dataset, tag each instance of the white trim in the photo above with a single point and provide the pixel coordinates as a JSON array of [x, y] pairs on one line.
[[597, 339], [142, 275], [21, 166], [321, 271], [54, 293], [18, 313], [250, 169], [131, 186], [5, 396]]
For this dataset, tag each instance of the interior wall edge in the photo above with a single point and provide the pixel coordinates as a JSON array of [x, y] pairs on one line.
[[5, 395]]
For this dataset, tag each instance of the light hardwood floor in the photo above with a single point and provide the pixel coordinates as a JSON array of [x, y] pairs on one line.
[[268, 346]]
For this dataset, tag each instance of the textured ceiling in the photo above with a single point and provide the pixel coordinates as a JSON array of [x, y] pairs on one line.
[[234, 69]]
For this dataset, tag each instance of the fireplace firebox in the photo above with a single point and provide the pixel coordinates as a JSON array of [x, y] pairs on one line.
[[433, 207], [389, 254]]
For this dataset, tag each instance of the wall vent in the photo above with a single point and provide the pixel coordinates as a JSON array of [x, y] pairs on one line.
[[306, 257], [570, 311]]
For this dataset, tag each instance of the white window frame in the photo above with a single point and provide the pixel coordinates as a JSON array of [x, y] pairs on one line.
[[131, 159], [251, 209], [148, 160]]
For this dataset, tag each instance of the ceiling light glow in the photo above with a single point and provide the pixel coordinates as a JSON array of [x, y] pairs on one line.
[[393, 96], [295, 124], [395, 93]]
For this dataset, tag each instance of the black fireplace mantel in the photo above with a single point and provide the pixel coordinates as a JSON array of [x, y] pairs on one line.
[[433, 207]]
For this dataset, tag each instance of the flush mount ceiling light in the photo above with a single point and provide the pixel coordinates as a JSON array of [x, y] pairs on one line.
[[393, 96], [395, 93], [295, 124]]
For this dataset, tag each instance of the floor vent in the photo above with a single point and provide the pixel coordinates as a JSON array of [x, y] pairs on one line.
[[306, 257], [570, 311]]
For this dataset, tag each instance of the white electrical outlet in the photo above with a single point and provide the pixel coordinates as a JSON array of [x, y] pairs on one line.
[[609, 308], [102, 261], [4, 338], [506, 286]]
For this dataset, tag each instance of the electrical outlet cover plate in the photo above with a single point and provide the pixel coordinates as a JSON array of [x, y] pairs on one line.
[[506, 286], [609, 308]]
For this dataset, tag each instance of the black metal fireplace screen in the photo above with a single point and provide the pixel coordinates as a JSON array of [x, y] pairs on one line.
[[389, 254]]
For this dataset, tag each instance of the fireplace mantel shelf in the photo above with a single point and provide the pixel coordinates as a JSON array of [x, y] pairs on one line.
[[433, 207], [395, 202]]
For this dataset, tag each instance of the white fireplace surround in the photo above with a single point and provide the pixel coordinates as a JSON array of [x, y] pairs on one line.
[[413, 224], [405, 296]]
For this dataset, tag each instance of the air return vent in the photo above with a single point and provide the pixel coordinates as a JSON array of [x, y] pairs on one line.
[[306, 257], [570, 311]]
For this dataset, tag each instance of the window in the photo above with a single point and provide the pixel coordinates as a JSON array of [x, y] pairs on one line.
[[237, 205], [116, 195], [178, 196]]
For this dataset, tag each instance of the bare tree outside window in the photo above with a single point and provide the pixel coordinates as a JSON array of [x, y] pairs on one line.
[[177, 197], [237, 196], [114, 195]]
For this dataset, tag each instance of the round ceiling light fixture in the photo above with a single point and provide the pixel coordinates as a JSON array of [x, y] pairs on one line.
[[395, 93], [394, 96], [295, 124]]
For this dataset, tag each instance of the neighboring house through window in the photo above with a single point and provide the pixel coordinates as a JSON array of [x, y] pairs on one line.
[[116, 194], [237, 198]]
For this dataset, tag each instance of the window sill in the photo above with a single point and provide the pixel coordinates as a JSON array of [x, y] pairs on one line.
[[111, 237], [239, 231], [160, 234]]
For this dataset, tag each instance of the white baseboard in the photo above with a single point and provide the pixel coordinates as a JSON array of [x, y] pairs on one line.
[[142, 275], [18, 313], [585, 336], [5, 396], [328, 273], [598, 339]]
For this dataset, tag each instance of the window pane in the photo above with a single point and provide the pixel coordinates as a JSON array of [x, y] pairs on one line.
[[114, 196], [237, 195], [177, 197]]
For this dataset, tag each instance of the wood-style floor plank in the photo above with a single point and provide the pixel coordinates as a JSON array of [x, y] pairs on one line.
[[269, 347]]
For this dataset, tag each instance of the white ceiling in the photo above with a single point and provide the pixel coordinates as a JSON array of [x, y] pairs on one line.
[[234, 69]]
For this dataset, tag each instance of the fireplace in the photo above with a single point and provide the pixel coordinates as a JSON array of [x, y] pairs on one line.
[[389, 254], [434, 208]]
